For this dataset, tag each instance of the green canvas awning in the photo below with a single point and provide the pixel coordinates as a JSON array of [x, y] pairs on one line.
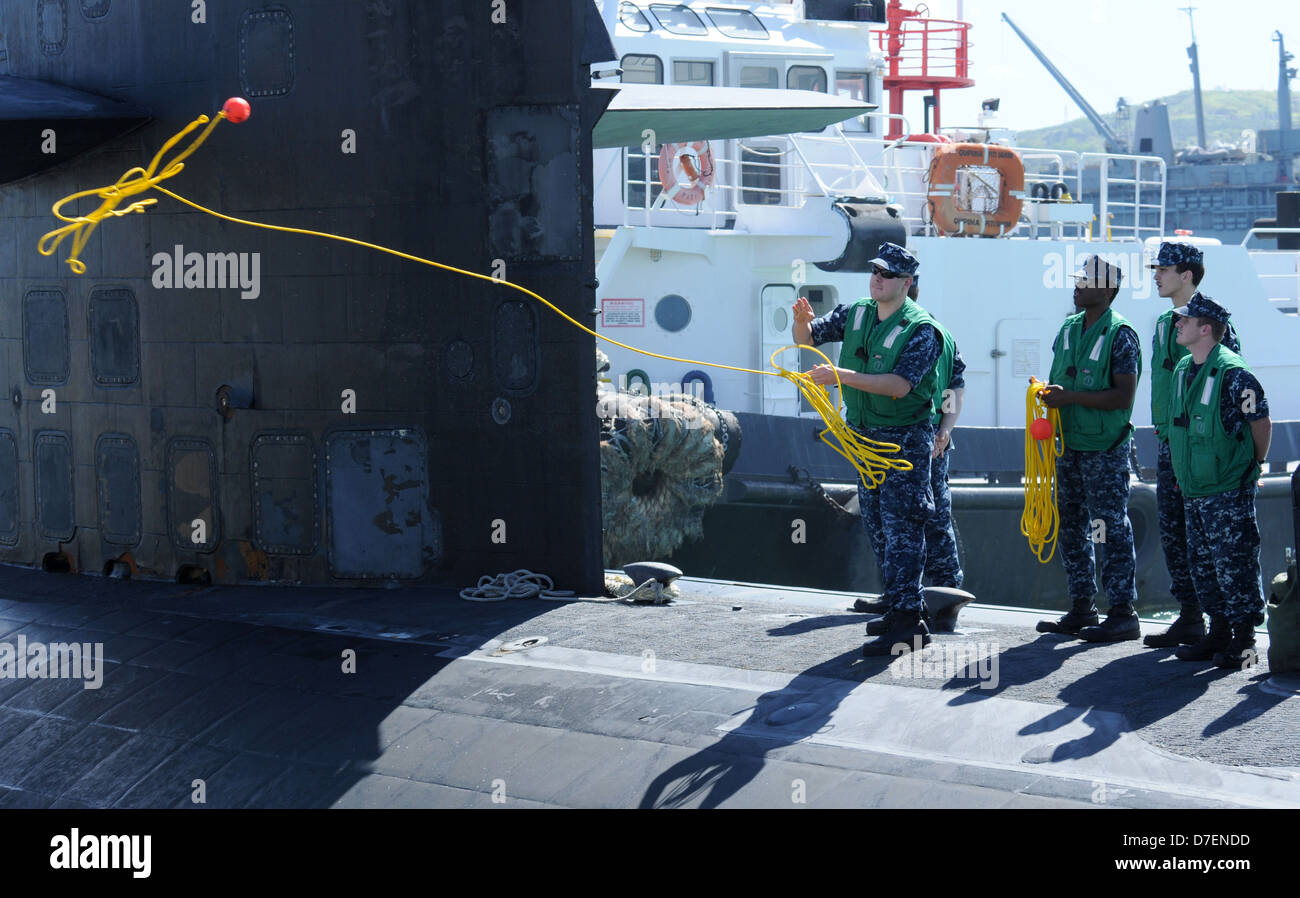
[[677, 113]]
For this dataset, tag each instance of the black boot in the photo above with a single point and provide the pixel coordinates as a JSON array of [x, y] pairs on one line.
[[907, 629], [881, 624], [1083, 614], [1188, 629], [874, 605], [1240, 652], [1121, 624], [1211, 643]]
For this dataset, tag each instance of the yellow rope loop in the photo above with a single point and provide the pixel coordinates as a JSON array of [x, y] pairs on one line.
[[134, 181], [1040, 521], [868, 457]]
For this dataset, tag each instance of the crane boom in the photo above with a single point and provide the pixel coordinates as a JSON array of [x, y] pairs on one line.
[[1113, 142]]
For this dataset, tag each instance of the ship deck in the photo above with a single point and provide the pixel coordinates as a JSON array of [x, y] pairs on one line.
[[733, 695]]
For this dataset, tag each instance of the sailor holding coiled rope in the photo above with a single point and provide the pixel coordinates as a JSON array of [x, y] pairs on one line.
[[888, 369], [1096, 362]]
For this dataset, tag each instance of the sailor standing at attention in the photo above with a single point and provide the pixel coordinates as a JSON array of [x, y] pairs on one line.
[[1217, 459], [1095, 367], [1179, 268], [888, 369]]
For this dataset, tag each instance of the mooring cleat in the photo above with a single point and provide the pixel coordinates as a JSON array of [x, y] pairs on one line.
[[943, 604]]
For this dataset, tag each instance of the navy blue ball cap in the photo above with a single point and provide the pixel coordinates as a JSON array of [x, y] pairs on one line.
[[1177, 254], [896, 259], [1202, 306]]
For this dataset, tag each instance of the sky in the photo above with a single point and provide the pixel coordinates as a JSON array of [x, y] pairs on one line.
[[1135, 49]]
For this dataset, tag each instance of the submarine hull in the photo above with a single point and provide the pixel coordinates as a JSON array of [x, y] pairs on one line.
[[216, 402]]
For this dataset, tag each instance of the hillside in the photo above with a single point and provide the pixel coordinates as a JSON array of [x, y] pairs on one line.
[[1227, 114]]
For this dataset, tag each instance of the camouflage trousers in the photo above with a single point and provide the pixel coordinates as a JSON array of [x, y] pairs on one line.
[[1223, 553], [942, 566], [1173, 531], [1092, 498], [895, 514]]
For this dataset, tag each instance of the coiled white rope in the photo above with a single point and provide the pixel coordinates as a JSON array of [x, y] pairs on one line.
[[521, 584]]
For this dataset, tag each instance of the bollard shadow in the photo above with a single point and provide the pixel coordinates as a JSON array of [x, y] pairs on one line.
[[820, 622]]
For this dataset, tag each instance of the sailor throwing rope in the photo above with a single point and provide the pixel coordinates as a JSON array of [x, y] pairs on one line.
[[891, 347]]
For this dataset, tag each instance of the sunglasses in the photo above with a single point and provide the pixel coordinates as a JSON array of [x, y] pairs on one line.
[[886, 273]]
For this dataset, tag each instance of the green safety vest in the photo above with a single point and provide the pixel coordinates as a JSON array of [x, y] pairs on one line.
[[943, 372], [1081, 361], [882, 342], [1206, 460], [1167, 353]]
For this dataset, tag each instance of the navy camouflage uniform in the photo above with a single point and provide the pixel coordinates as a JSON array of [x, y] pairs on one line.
[[942, 566], [1169, 500], [1222, 529], [895, 513], [1095, 486]]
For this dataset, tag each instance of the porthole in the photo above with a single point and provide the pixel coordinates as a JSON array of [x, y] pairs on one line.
[[673, 313]]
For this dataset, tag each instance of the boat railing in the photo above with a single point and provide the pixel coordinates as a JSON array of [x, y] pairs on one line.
[[783, 172], [1141, 195], [1278, 270], [1267, 233]]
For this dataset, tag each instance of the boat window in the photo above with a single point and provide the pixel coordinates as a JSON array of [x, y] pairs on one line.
[[806, 77], [639, 69], [760, 171], [633, 18], [759, 76], [690, 72], [737, 23], [855, 86], [678, 19], [821, 298]]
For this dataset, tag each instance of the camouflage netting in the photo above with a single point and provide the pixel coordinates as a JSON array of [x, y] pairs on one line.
[[661, 468]]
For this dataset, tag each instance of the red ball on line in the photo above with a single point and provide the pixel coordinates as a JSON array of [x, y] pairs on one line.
[[1041, 429], [237, 109]]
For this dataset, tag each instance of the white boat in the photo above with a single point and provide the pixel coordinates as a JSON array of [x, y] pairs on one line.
[[711, 272]]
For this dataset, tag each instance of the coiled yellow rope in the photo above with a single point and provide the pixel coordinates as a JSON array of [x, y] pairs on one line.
[[1040, 520], [868, 457]]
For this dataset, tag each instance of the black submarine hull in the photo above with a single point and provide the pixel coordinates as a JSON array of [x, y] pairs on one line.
[[215, 402]]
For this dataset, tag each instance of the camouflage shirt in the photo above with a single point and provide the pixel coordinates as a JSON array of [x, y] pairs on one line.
[[1125, 352], [958, 379]]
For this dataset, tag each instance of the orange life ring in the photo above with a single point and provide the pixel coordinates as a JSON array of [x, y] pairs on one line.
[[945, 211], [685, 169]]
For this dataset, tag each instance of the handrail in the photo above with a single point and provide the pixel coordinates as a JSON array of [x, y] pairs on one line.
[[1260, 231]]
